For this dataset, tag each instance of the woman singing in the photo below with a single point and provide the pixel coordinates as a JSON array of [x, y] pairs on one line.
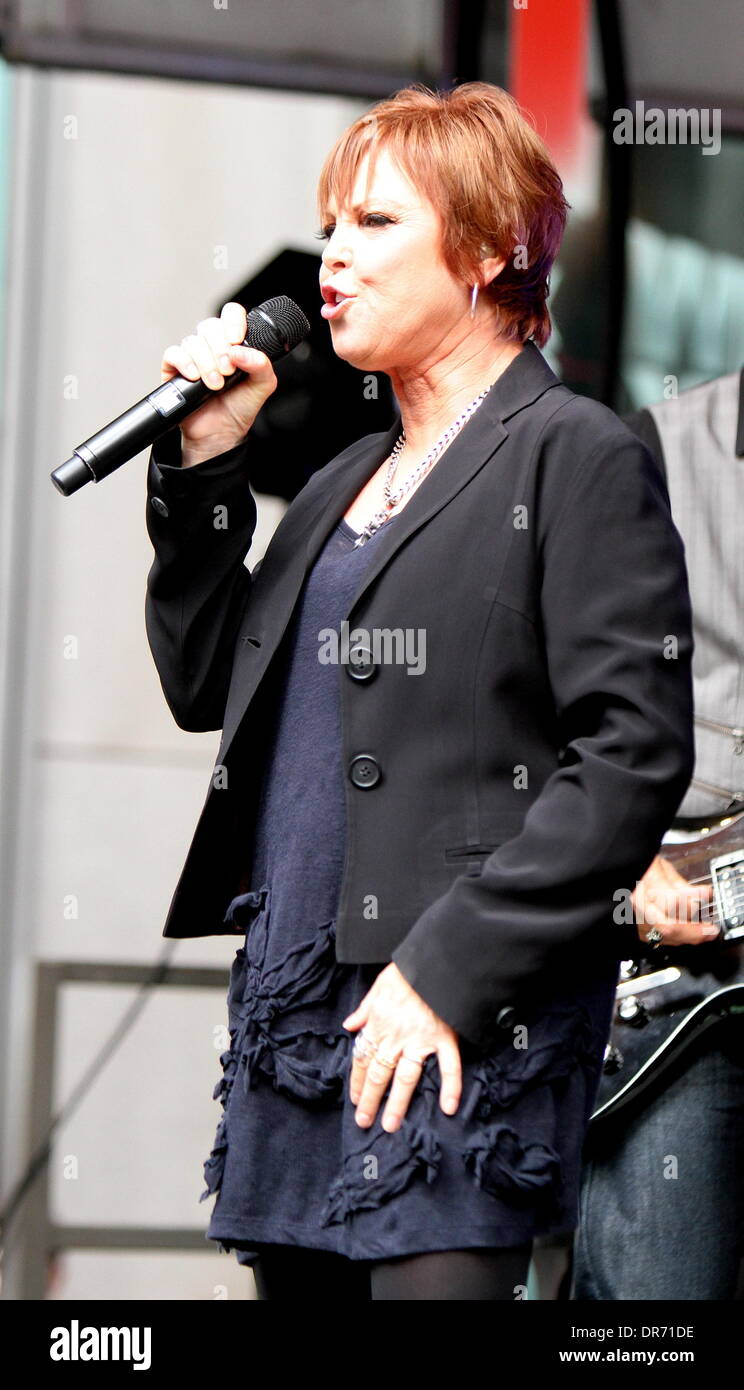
[[456, 708]]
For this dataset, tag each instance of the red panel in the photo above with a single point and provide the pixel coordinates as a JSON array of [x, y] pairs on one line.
[[547, 70]]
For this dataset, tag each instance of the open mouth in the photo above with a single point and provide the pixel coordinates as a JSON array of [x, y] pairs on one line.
[[334, 303]]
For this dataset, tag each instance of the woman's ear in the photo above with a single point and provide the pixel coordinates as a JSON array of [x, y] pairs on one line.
[[491, 266]]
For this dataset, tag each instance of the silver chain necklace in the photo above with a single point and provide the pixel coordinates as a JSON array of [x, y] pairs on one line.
[[393, 498]]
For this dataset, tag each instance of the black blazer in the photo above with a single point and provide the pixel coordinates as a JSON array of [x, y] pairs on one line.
[[501, 802]]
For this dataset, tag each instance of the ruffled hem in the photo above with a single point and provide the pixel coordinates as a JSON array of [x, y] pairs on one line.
[[312, 1080], [309, 1065], [548, 1048], [385, 1166], [506, 1167]]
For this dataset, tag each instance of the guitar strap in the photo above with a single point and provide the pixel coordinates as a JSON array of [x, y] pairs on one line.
[[704, 822]]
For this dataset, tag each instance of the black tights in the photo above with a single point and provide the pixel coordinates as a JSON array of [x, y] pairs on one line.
[[296, 1274]]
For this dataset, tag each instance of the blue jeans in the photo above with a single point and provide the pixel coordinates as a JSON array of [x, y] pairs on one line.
[[662, 1195]]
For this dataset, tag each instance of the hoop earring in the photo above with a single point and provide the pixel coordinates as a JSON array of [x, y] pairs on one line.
[[473, 300]]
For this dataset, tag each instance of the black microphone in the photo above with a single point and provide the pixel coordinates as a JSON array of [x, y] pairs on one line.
[[274, 327]]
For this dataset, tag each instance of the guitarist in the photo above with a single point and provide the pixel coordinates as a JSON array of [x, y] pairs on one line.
[[662, 1202]]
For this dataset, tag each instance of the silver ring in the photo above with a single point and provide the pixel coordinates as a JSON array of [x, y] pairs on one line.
[[655, 937], [362, 1045]]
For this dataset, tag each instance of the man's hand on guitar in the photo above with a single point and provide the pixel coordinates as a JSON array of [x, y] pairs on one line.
[[679, 910]]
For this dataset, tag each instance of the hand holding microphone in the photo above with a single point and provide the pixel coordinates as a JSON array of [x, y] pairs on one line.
[[189, 391], [212, 354]]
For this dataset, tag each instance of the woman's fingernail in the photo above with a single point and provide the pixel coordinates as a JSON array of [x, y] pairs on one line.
[[449, 1106], [214, 378], [363, 1119], [225, 363], [711, 931]]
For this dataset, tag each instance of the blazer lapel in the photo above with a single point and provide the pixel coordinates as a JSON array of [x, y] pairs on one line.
[[527, 377], [464, 457]]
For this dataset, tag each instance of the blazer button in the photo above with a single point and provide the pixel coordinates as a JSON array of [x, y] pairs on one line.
[[506, 1017], [360, 665], [158, 505], [364, 771]]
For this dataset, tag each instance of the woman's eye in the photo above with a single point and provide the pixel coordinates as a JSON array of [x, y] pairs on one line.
[[371, 219]]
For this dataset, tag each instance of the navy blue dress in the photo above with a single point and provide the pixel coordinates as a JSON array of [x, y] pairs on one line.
[[289, 1164]]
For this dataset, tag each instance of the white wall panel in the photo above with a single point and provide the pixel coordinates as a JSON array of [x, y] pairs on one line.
[[112, 256]]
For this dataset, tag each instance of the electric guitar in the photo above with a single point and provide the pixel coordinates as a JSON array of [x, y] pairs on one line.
[[667, 997]]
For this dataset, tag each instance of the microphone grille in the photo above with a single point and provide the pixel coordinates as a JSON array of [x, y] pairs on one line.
[[276, 326]]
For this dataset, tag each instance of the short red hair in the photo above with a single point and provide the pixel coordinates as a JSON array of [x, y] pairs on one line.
[[479, 161]]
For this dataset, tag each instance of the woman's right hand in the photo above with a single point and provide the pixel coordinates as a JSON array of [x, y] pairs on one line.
[[213, 353]]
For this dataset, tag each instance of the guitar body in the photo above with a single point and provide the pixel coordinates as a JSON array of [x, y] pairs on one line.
[[668, 996]]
